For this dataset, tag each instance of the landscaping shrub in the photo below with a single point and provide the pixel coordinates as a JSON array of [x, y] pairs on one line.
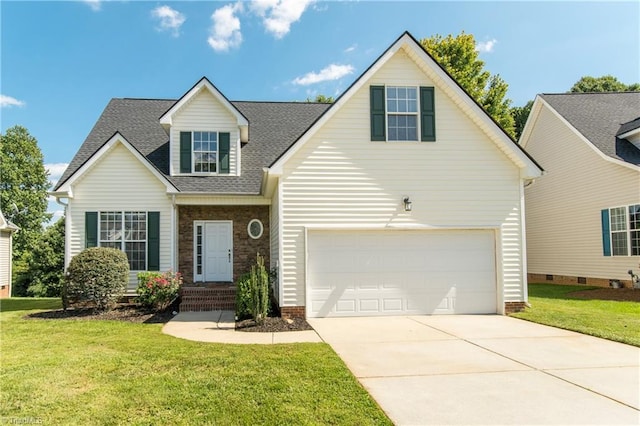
[[243, 294], [252, 292], [158, 290], [97, 276]]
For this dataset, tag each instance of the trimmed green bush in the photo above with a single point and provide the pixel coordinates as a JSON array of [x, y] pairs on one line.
[[252, 293], [97, 277], [158, 290], [243, 294]]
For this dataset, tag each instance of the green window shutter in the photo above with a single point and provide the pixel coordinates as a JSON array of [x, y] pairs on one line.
[[427, 115], [378, 122], [224, 148], [185, 152], [606, 234], [153, 241], [90, 229]]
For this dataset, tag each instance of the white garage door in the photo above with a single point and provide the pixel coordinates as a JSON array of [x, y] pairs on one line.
[[368, 273]]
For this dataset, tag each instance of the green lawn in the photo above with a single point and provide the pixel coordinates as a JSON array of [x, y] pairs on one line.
[[553, 305], [108, 372]]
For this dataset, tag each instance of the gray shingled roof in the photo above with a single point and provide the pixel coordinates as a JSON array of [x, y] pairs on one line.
[[273, 128], [631, 125], [599, 117]]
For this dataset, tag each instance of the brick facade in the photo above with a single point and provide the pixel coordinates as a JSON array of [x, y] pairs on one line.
[[292, 312], [511, 307], [567, 279], [244, 247]]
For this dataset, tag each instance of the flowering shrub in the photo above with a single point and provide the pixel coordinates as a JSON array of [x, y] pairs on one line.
[[158, 290]]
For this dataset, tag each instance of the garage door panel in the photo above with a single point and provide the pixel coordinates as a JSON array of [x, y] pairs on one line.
[[393, 272]]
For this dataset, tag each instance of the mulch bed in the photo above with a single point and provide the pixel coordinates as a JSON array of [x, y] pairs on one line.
[[618, 294], [124, 312], [139, 314], [273, 324]]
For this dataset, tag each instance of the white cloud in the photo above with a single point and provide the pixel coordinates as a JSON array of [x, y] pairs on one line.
[[95, 5], [225, 31], [170, 19], [55, 171], [351, 48], [8, 101], [278, 15], [486, 46], [330, 72]]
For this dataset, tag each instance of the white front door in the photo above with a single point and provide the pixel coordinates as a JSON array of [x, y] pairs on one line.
[[218, 252]]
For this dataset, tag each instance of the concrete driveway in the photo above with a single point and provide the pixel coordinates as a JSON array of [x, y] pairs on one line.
[[487, 369]]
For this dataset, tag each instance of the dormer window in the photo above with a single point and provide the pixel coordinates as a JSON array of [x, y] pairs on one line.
[[204, 152]]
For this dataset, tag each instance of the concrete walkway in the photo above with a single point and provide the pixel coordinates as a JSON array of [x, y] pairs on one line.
[[219, 327], [487, 369]]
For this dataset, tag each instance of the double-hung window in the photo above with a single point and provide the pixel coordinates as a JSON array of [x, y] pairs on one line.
[[205, 152], [621, 231], [402, 113], [126, 231], [137, 233]]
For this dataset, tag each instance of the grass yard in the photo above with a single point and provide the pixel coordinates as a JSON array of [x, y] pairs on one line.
[[554, 305], [109, 372]]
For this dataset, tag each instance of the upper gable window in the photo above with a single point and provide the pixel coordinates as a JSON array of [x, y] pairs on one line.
[[402, 113], [204, 152], [399, 114]]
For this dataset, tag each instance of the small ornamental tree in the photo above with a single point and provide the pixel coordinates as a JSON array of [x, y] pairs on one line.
[[158, 290], [98, 277], [252, 293]]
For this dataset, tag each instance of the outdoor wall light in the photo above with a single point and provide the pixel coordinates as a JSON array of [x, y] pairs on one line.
[[407, 204]]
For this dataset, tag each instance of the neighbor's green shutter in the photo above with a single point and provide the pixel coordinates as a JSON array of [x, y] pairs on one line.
[[90, 229], [153, 241], [185, 152], [606, 234], [378, 126], [427, 115], [224, 152]]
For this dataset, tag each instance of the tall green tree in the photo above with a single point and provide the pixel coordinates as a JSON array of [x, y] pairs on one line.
[[46, 263], [520, 116], [606, 83], [23, 195], [23, 186], [458, 55]]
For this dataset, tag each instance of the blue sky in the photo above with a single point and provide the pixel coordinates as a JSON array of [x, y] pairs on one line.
[[61, 62]]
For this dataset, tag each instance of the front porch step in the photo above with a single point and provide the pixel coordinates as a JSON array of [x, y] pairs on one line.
[[218, 298]]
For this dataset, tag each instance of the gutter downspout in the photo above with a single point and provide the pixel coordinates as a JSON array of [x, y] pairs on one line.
[[67, 231]]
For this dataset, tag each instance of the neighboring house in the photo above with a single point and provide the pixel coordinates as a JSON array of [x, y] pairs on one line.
[[6, 255], [403, 196], [583, 217]]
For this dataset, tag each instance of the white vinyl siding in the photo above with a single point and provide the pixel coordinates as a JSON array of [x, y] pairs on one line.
[[339, 179], [5, 258], [564, 230], [119, 182], [274, 239], [204, 113]]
